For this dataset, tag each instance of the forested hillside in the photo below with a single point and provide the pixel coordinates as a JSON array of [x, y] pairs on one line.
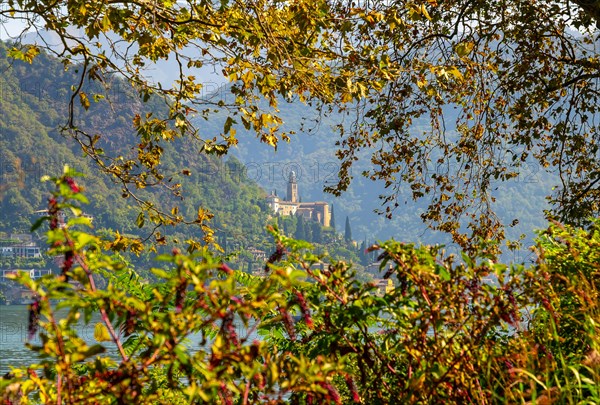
[[34, 105]]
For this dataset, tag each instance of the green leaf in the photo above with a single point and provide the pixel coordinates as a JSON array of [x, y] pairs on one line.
[[228, 123], [140, 220], [38, 223], [84, 239], [464, 48], [443, 273], [94, 350]]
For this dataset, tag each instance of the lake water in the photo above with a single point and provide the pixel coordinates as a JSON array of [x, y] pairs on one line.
[[13, 336], [14, 321]]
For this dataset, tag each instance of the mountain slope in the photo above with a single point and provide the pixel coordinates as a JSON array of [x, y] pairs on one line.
[[34, 105]]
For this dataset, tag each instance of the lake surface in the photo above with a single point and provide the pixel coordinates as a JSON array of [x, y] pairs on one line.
[[14, 321], [13, 335]]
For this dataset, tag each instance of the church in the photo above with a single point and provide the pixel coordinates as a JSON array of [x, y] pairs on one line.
[[316, 211]]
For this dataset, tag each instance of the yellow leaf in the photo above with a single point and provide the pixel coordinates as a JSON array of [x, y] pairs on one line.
[[455, 72], [424, 12], [248, 78], [346, 97], [85, 101], [101, 333]]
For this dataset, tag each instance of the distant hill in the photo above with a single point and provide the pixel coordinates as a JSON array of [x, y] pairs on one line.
[[33, 106]]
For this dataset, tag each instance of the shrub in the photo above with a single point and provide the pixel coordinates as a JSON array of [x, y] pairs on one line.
[[452, 330]]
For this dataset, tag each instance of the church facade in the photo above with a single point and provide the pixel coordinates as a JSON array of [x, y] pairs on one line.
[[316, 211]]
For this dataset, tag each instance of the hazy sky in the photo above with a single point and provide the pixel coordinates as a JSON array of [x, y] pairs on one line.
[[165, 72], [9, 28]]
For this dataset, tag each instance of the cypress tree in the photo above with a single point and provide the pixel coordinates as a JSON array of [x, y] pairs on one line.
[[332, 223], [348, 231], [317, 237], [300, 229], [308, 231], [361, 252]]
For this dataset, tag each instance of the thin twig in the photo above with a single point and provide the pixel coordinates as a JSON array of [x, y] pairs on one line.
[[104, 315]]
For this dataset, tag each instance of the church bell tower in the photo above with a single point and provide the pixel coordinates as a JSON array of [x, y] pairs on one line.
[[292, 188]]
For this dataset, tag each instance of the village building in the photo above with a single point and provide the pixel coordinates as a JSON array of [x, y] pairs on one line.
[[257, 254], [384, 286], [33, 273], [316, 211], [22, 246]]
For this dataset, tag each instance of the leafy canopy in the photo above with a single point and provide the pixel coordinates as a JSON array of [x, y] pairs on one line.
[[516, 79]]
